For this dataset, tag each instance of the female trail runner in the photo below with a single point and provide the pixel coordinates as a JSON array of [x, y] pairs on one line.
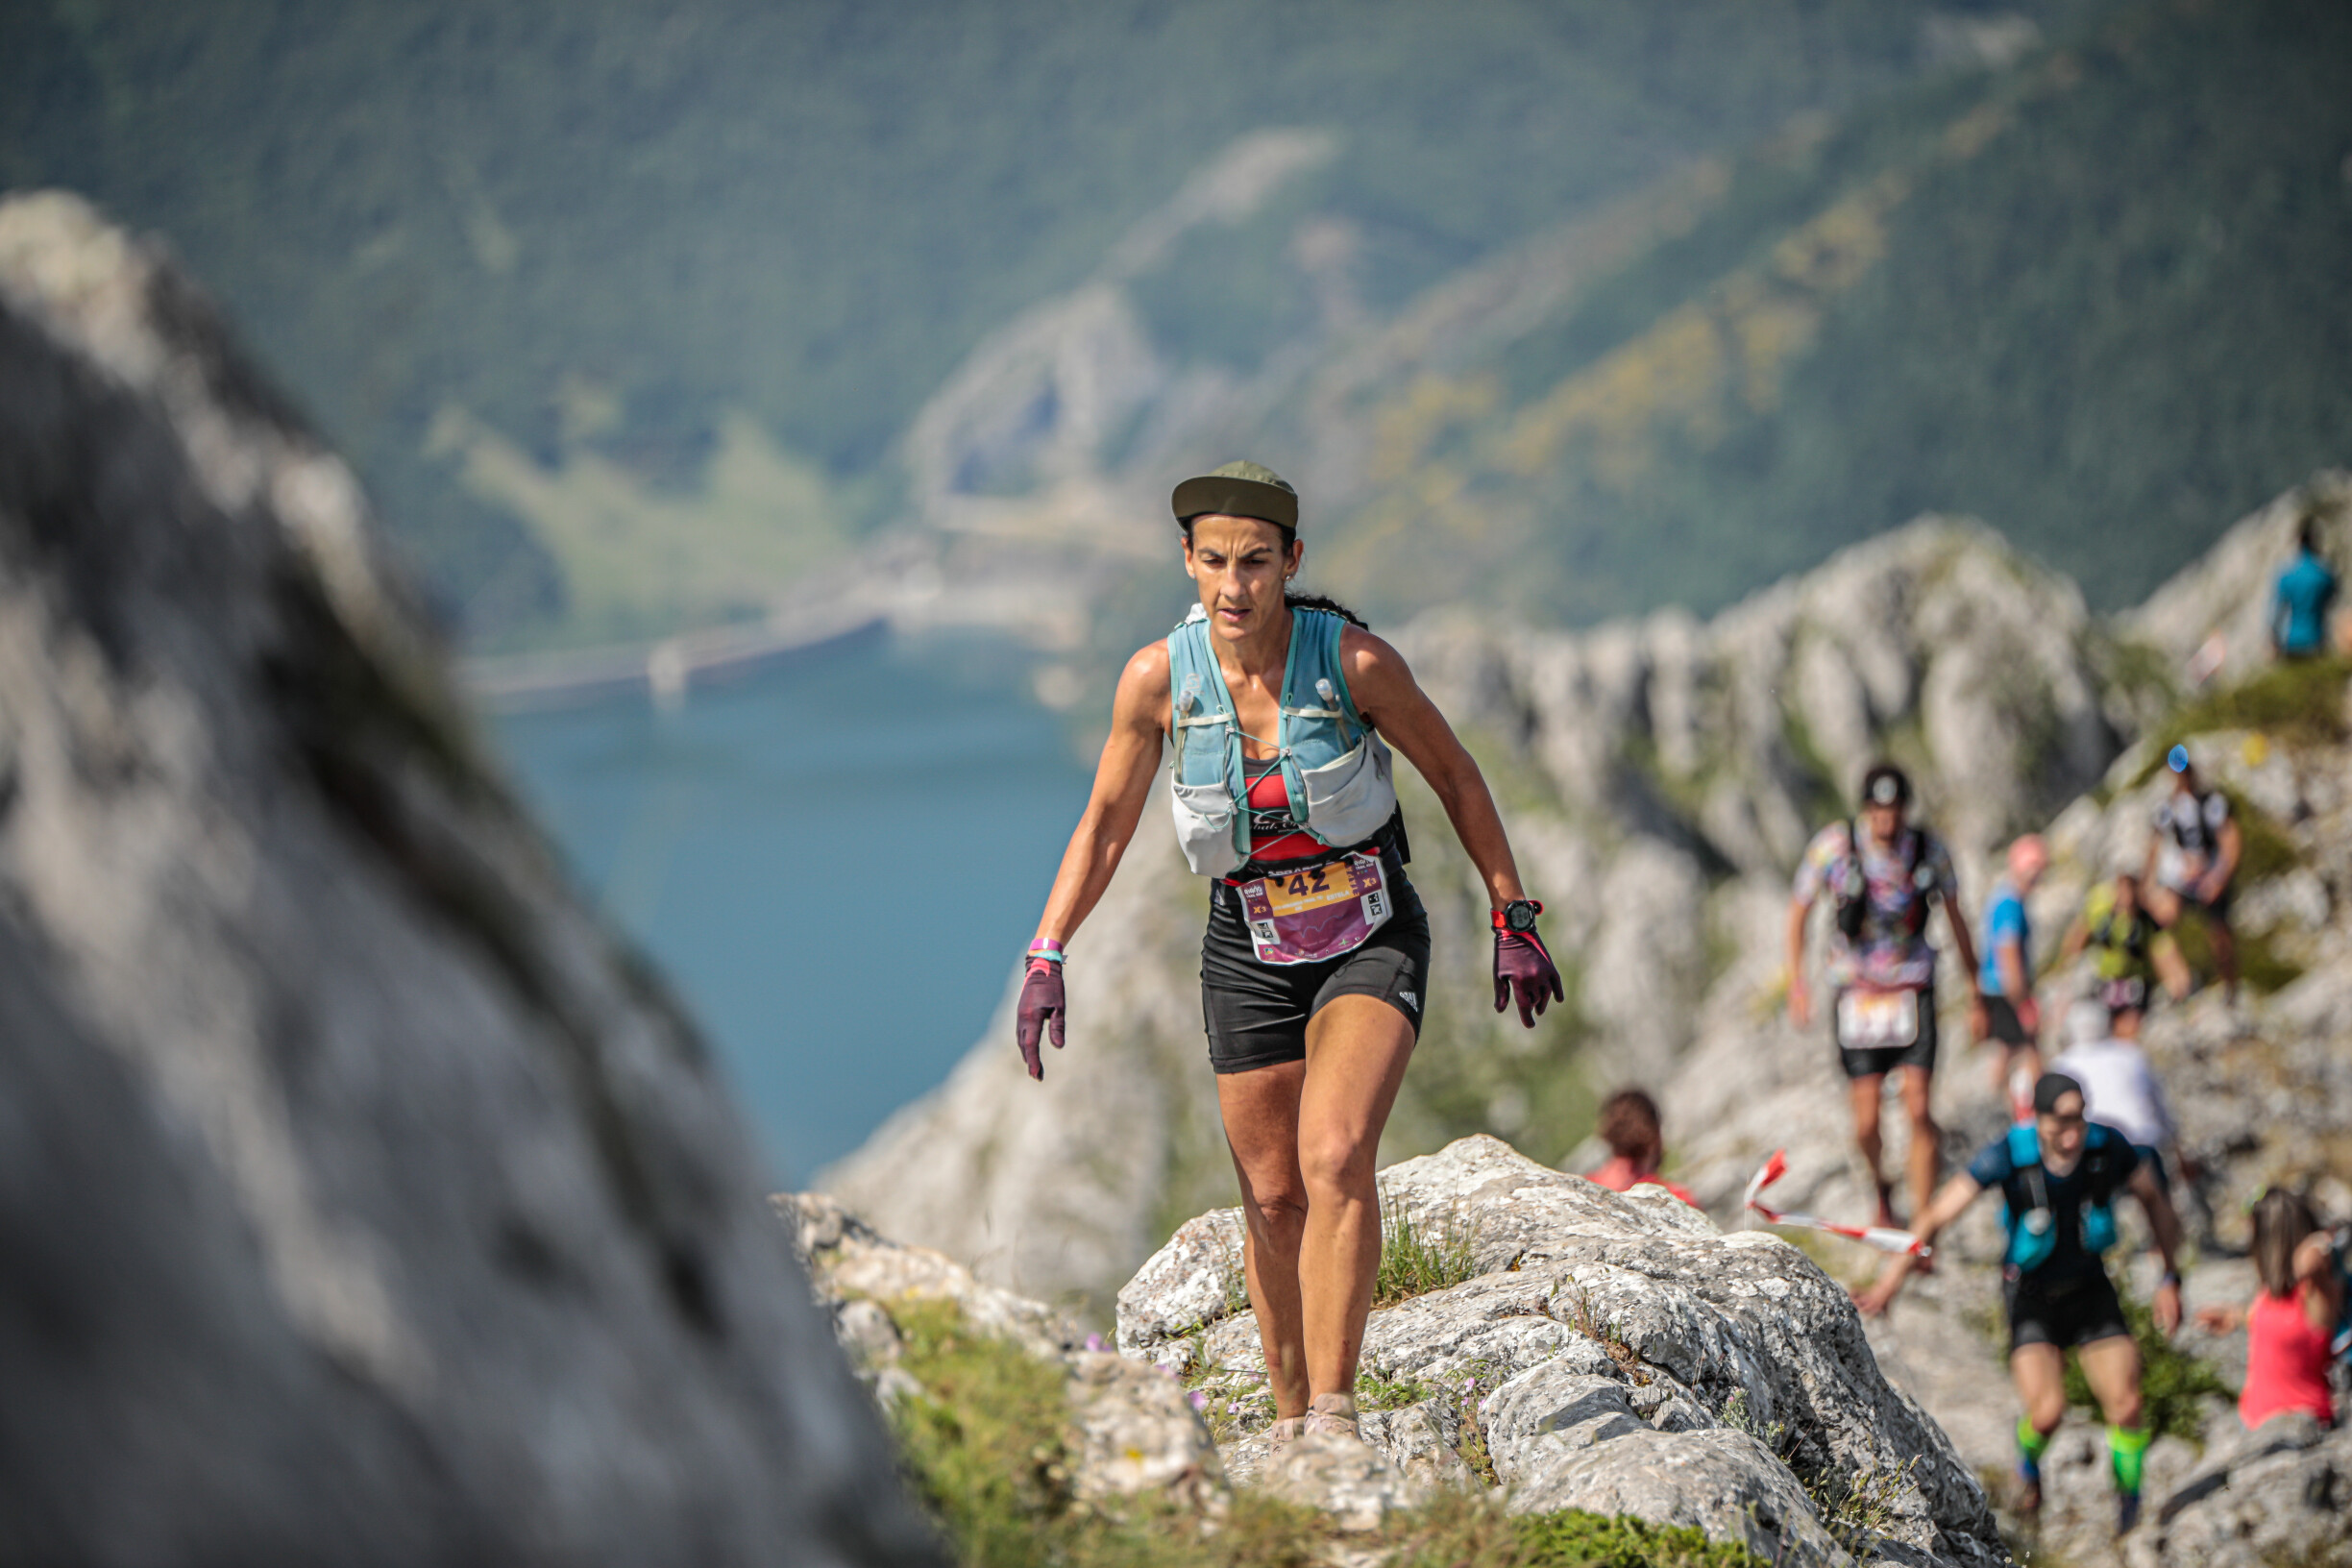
[[1315, 963]]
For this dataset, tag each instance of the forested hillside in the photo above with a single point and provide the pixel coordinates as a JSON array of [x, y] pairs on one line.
[[2098, 299], [669, 256]]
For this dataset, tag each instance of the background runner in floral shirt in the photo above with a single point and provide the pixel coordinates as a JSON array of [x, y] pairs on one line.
[[1881, 968]]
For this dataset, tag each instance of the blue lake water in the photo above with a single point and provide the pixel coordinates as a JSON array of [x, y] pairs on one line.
[[837, 864]]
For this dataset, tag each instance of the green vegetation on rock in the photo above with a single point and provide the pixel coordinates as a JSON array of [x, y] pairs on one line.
[[1416, 1260], [986, 1448], [2093, 297], [2173, 1384]]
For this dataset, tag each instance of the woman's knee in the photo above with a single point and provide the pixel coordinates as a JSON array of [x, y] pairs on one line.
[[1275, 1208], [1335, 1167]]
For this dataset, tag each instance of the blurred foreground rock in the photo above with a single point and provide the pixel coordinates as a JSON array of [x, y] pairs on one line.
[[360, 1200]]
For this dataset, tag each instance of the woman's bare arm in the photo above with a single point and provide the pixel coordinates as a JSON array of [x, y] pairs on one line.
[[1122, 782], [1390, 698]]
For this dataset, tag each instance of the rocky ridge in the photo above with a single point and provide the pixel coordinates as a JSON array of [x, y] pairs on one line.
[[364, 1200], [1610, 1354]]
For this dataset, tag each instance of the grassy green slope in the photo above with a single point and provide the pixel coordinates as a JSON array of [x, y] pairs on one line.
[[2098, 299], [808, 213]]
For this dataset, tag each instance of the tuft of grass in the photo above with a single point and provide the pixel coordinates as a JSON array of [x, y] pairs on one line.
[[1574, 1539], [1610, 1338], [1374, 1392], [1416, 1260], [1858, 1509], [984, 1446], [2173, 1384]]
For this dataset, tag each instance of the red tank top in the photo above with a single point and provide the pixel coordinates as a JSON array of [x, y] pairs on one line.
[[2287, 1362], [1268, 794]]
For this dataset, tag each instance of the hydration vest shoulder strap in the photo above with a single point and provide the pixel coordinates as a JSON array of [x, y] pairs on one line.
[[1314, 682]]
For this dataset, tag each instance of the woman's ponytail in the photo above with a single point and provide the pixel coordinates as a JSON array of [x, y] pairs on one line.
[[1322, 601]]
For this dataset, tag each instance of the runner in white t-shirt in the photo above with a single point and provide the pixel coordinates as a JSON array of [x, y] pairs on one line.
[[2119, 1085]]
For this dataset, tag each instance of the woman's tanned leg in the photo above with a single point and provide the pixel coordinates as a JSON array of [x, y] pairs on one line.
[[1357, 1048], [1260, 1110]]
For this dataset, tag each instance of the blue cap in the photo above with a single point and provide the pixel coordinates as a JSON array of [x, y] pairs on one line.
[[2178, 759]]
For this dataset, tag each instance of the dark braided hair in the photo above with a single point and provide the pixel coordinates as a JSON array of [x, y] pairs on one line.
[[1297, 601]]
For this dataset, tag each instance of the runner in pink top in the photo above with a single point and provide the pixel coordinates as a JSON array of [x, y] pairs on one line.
[[1637, 1148], [2294, 1316]]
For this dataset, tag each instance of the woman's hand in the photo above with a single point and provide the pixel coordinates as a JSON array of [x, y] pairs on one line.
[[1040, 1013], [2220, 1320], [1524, 970]]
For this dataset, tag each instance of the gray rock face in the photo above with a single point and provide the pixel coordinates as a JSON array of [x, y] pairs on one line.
[[362, 1200], [1611, 1353]]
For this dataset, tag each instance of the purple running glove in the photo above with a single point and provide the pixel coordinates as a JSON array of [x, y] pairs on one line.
[[1042, 1013], [1521, 965]]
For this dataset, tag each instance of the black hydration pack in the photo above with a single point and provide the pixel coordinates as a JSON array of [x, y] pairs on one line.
[[1852, 909]]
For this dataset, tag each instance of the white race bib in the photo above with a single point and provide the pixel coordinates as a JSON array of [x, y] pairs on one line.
[[1878, 1021]]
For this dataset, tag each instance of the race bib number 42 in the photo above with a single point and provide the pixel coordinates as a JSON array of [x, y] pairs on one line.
[[1317, 913]]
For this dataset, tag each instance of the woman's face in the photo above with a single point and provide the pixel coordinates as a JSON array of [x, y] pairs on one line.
[[1240, 566]]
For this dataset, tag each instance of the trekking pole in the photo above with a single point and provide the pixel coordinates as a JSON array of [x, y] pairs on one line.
[[1870, 1235]]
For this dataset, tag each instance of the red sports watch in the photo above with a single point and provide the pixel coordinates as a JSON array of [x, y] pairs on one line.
[[1519, 914]]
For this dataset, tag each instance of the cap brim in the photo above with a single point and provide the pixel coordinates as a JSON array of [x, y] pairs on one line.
[[1236, 498]]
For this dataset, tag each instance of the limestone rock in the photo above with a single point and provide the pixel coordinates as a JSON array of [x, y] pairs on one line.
[[1353, 1482], [1611, 1352], [364, 1200], [1135, 1431]]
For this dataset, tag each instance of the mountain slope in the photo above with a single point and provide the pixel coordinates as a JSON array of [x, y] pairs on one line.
[[2098, 296], [602, 229]]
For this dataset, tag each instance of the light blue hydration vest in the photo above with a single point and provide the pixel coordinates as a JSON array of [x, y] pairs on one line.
[[2033, 1236], [1336, 770]]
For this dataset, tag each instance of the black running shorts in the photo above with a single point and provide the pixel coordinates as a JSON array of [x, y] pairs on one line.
[[2002, 1023], [1257, 1012], [1885, 1058], [2076, 1312]]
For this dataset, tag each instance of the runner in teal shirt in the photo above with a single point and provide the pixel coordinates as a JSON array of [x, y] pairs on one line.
[[2299, 605]]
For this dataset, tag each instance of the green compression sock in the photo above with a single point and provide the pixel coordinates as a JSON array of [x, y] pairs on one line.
[[2031, 1446], [2127, 1450]]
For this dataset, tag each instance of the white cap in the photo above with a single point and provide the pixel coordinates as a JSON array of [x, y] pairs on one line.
[[2087, 1023]]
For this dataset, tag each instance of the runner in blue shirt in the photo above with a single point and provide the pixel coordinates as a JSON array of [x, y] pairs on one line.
[[2013, 1020], [2299, 605]]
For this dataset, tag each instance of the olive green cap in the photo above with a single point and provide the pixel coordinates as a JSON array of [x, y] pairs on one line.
[[1239, 490]]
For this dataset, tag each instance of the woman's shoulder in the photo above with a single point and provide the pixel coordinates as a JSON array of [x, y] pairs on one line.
[[1366, 654], [1148, 664]]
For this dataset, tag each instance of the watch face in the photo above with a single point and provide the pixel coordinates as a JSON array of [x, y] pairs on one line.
[[1519, 914]]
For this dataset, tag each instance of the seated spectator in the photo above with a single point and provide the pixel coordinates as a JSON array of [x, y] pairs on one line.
[[1630, 1127]]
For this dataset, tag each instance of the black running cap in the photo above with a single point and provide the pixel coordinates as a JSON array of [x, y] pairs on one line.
[[2052, 1087], [1239, 490], [1885, 785]]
